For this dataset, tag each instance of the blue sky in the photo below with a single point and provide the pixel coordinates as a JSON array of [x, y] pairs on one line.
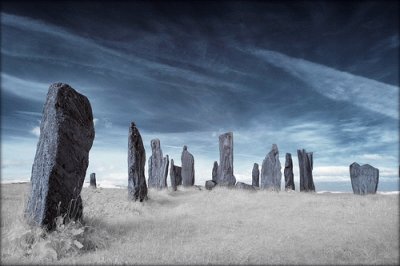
[[314, 75]]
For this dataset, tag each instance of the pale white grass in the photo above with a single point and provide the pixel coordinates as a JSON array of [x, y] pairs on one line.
[[221, 226]]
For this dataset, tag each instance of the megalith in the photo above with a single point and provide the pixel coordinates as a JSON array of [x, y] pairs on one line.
[[255, 175], [210, 184], [215, 172], [93, 180], [62, 157], [175, 175], [225, 168], [364, 179], [241, 185], [137, 188], [288, 172], [271, 170], [305, 169], [158, 166], [187, 171]]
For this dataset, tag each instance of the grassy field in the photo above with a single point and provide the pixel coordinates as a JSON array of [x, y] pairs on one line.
[[221, 226]]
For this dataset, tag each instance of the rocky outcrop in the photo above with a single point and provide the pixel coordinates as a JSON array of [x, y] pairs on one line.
[[305, 169], [225, 168], [137, 188], [271, 171], [62, 157], [93, 180], [187, 171], [255, 175], [288, 172], [175, 175], [158, 166], [241, 185], [364, 179], [210, 184], [215, 172]]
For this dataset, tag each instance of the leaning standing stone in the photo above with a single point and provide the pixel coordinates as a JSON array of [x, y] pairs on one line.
[[364, 179], [225, 168], [255, 174], [187, 168], [137, 188], [62, 157], [306, 167], [289, 182], [271, 170], [93, 180]]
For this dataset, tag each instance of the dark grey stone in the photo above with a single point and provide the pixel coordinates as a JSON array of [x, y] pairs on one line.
[[175, 175], [305, 169], [225, 168], [210, 184], [187, 171], [62, 157], [158, 166], [137, 188], [288, 172], [93, 180], [255, 174], [271, 170], [215, 172], [364, 179], [241, 185]]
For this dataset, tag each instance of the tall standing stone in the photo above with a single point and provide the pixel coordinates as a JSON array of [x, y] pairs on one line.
[[215, 172], [255, 175], [175, 175], [137, 188], [187, 168], [93, 180], [288, 172], [306, 167], [271, 170], [364, 179], [62, 157], [225, 168], [158, 166]]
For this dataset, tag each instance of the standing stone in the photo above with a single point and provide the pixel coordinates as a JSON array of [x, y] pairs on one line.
[[187, 168], [255, 174], [271, 170], [175, 175], [93, 180], [158, 166], [241, 185], [215, 172], [225, 168], [210, 184], [137, 188], [306, 167], [62, 157], [364, 179], [289, 177]]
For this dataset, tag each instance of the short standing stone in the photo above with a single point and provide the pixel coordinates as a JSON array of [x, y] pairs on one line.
[[210, 184], [241, 185], [137, 188], [93, 180], [187, 171], [62, 157], [306, 167], [164, 172], [289, 177], [175, 175], [225, 168], [158, 166], [364, 179], [255, 174], [215, 172], [271, 170]]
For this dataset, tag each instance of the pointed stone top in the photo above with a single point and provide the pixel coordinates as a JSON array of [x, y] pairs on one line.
[[184, 147], [255, 165], [274, 147], [172, 161], [133, 124]]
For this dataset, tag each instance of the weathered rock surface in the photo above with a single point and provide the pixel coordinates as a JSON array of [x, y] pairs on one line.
[[175, 175], [158, 166], [62, 157], [215, 172], [364, 179], [93, 180], [288, 172], [305, 169], [271, 170], [137, 188], [241, 185], [210, 184], [187, 171], [225, 168], [255, 174]]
